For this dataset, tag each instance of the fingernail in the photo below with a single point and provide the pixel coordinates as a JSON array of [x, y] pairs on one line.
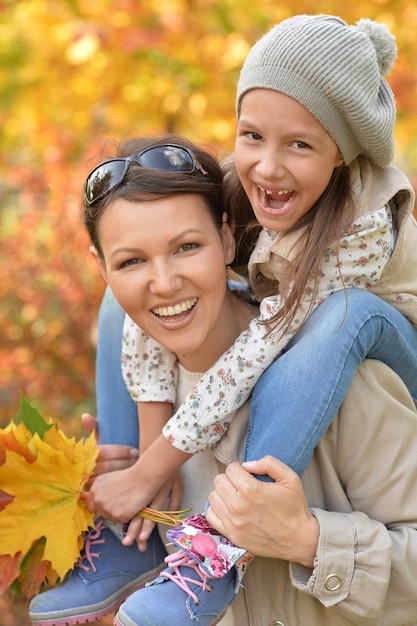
[[249, 463]]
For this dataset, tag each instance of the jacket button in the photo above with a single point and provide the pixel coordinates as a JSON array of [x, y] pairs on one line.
[[259, 278], [333, 582], [277, 623], [259, 250]]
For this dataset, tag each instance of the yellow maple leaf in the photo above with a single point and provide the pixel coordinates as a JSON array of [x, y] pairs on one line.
[[43, 510], [46, 496]]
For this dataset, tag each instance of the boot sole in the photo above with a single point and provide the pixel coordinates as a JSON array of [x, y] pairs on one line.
[[92, 615]]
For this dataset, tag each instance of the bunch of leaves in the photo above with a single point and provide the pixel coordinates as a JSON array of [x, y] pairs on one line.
[[43, 510], [43, 517]]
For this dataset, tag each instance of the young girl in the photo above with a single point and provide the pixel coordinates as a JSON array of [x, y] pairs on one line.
[[314, 142]]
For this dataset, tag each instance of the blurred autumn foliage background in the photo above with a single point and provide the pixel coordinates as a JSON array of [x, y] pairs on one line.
[[74, 74]]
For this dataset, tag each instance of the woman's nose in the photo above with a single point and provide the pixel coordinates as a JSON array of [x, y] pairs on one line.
[[165, 279]]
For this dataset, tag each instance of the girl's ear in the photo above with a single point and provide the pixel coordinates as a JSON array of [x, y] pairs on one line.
[[101, 264], [339, 160], [229, 243]]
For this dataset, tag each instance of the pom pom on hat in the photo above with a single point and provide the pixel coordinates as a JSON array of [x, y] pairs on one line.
[[383, 41], [337, 72]]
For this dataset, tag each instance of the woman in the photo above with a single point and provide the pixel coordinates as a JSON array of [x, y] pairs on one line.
[[180, 246]]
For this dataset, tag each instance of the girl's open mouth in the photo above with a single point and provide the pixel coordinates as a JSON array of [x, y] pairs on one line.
[[275, 200]]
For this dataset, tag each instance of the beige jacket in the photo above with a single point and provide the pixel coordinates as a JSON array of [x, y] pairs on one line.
[[362, 486]]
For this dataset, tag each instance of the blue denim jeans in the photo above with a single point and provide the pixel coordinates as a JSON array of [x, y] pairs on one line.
[[297, 397], [116, 411]]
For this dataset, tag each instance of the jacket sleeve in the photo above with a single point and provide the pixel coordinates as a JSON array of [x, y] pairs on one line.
[[207, 411], [149, 370], [366, 562]]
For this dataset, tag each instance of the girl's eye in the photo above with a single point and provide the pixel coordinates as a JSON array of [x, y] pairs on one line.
[[245, 133], [254, 136], [186, 247], [301, 145]]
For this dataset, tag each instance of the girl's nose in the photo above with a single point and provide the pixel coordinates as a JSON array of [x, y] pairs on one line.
[[270, 165]]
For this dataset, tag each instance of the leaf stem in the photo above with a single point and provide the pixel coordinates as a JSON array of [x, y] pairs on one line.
[[169, 518]]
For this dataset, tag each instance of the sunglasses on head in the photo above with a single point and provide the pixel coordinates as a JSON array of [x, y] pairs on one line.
[[166, 158]]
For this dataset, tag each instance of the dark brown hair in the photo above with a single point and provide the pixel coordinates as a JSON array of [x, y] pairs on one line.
[[142, 184]]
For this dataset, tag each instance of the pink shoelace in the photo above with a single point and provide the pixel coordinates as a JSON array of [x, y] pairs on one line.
[[85, 561], [182, 559]]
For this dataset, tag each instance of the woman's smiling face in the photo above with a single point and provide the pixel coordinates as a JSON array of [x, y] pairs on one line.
[[165, 261]]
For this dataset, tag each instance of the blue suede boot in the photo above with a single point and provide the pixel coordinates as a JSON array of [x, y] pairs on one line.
[[105, 574], [200, 584]]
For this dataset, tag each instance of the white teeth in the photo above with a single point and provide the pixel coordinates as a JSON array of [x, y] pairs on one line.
[[268, 192], [175, 310]]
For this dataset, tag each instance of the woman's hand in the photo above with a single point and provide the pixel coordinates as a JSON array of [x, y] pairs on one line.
[[270, 519], [111, 457], [114, 457]]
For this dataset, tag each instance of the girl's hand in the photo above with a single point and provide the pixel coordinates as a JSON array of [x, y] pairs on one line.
[[168, 498], [119, 495], [270, 519]]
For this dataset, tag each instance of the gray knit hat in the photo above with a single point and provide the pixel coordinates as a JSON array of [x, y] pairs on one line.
[[336, 71]]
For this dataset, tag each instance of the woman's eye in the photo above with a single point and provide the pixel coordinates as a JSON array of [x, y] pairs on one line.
[[186, 247], [130, 262]]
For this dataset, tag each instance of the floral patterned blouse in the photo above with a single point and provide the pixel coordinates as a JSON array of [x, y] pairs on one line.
[[150, 371]]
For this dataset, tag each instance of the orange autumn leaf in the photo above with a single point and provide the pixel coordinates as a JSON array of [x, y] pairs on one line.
[[34, 571], [16, 438], [9, 570]]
